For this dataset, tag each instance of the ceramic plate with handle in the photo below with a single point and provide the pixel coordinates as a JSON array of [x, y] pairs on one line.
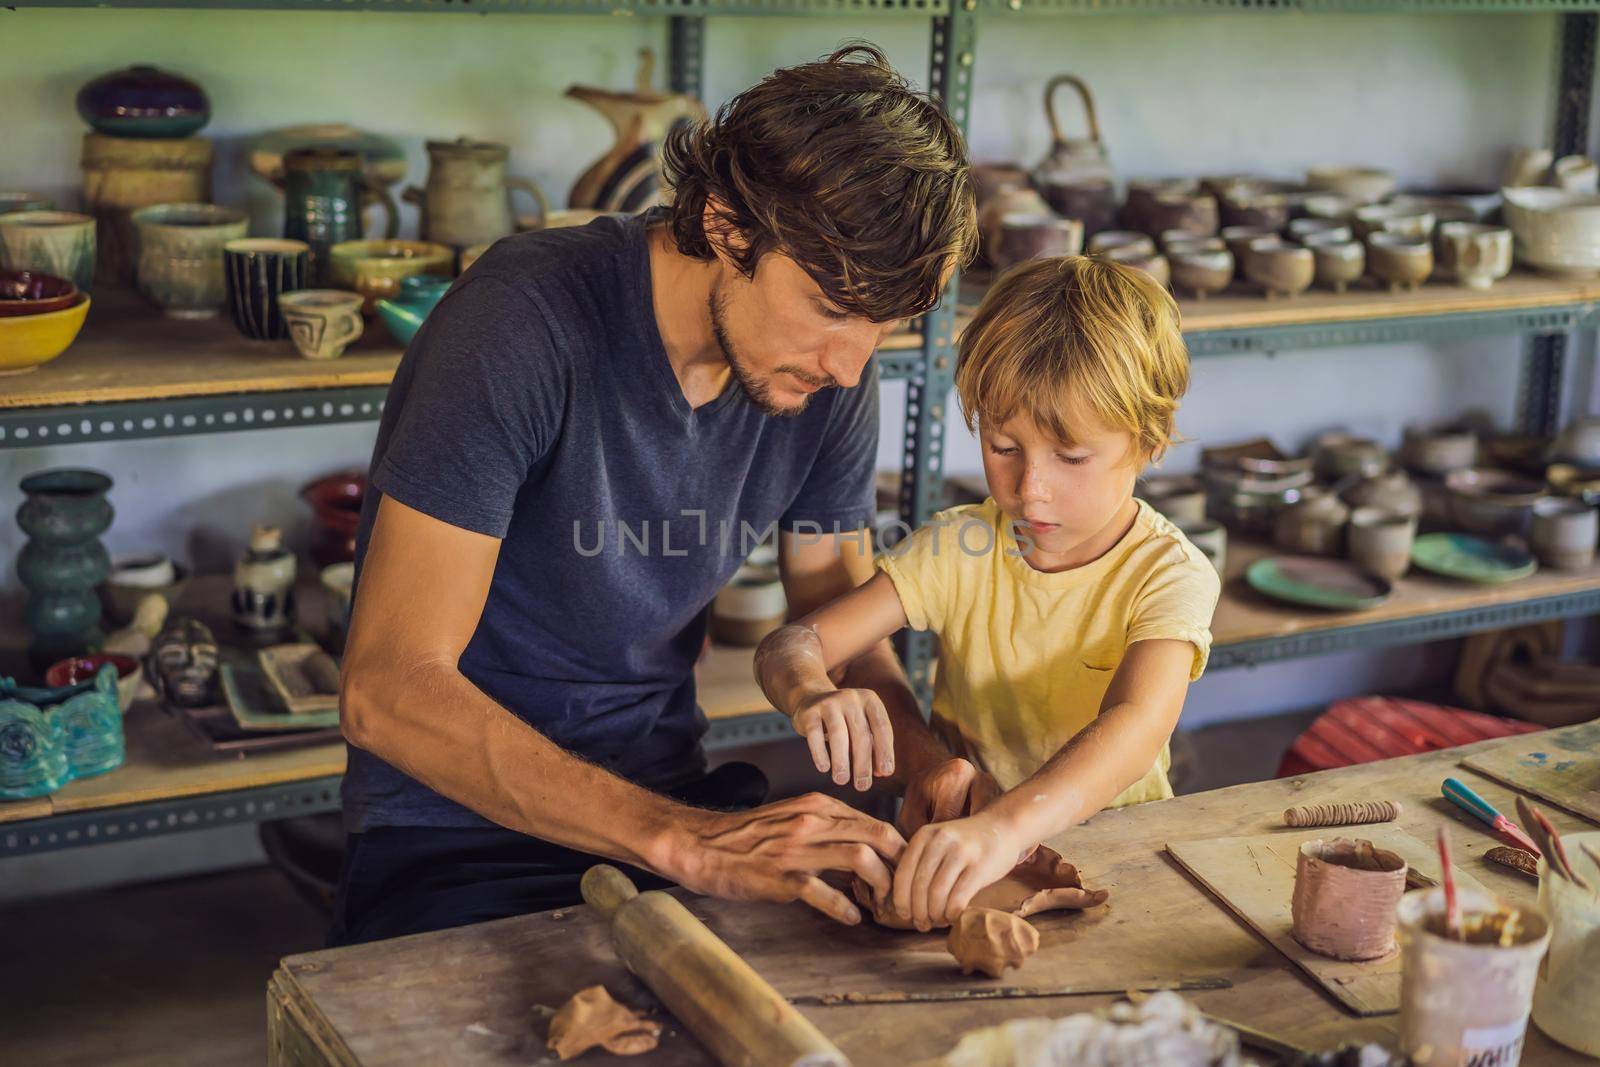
[[1332, 584], [1471, 559]]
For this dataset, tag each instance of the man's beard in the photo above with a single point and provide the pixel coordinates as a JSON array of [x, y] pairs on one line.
[[759, 392]]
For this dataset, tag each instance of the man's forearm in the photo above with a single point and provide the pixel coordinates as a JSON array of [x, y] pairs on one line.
[[916, 747], [432, 723]]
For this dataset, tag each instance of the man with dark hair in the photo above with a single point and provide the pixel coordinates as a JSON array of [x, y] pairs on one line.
[[576, 453]]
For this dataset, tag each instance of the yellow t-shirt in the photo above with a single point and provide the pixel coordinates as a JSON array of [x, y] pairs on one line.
[[1026, 657]]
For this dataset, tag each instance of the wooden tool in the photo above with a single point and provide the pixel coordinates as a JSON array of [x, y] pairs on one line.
[[1555, 853], [1008, 992], [1462, 796], [718, 996]]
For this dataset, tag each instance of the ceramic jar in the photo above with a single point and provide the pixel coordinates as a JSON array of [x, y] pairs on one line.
[[1190, 212], [61, 243], [418, 294], [144, 102], [121, 175], [1564, 533], [1403, 262], [263, 583], [1075, 176], [1315, 525], [1474, 254], [1027, 236], [1200, 267], [1018, 202], [1280, 268], [180, 256], [64, 512], [1337, 262], [258, 272], [324, 190], [1380, 540], [468, 196], [322, 322]]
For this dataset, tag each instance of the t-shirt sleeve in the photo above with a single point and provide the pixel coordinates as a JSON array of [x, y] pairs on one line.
[[484, 404], [1177, 604], [839, 492], [922, 570]]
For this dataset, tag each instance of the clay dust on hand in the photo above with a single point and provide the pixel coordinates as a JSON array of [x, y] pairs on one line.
[[592, 1018]]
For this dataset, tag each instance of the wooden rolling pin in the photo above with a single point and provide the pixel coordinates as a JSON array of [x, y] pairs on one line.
[[720, 998]]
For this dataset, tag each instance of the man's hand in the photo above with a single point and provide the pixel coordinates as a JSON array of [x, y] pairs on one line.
[[946, 864], [945, 791], [778, 851], [848, 733]]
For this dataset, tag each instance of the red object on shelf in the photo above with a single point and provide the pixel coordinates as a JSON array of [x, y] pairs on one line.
[[1368, 729]]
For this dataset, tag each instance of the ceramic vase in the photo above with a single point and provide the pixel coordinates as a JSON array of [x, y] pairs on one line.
[[324, 190], [468, 197], [144, 102], [64, 512], [263, 583]]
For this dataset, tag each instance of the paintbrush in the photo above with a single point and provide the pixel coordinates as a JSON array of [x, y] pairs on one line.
[[1452, 907], [1460, 794], [1555, 853]]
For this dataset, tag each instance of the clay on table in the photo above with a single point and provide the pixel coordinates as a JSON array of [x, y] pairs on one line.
[[989, 940], [592, 1018], [1042, 882], [1345, 895]]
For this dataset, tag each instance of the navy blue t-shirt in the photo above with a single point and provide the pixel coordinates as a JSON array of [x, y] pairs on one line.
[[537, 405]]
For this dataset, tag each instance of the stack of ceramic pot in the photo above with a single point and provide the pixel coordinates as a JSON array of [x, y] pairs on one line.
[[1248, 484], [40, 316]]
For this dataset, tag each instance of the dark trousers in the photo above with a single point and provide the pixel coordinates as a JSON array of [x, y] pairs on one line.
[[399, 880]]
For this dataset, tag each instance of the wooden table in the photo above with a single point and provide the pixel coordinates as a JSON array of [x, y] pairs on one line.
[[468, 996]]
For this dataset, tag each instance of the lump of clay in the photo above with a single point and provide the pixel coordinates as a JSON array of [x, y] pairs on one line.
[[1162, 1030], [1042, 882], [592, 1018], [988, 940]]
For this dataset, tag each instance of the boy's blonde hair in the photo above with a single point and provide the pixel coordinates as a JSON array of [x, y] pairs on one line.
[[1061, 339]]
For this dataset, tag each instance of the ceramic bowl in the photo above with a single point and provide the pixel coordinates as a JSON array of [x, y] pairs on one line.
[[1386, 218], [82, 668], [1200, 267], [1140, 196], [1329, 206], [1241, 208], [1336, 456], [180, 256], [1331, 230], [1438, 451], [1337, 264], [1473, 253], [336, 508], [1022, 236], [1179, 497], [1527, 453], [419, 293], [1364, 185], [53, 242], [374, 268], [1392, 490], [1556, 231], [27, 292], [1564, 533], [132, 578], [1192, 211], [1107, 240], [1465, 204], [1490, 502], [1280, 268], [1401, 262], [1238, 238], [1152, 263], [26, 341]]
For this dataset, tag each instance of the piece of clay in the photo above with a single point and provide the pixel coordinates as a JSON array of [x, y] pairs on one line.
[[592, 1018], [1348, 814], [1042, 882], [989, 940], [1515, 858], [1345, 895]]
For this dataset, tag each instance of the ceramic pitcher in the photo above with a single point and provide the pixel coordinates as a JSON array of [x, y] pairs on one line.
[[468, 197], [324, 190], [1075, 176], [627, 178]]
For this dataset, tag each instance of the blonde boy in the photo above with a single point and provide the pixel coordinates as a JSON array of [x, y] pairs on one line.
[[1071, 617]]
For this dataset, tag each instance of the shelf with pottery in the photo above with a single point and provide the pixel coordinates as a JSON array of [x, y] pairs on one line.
[[1249, 629]]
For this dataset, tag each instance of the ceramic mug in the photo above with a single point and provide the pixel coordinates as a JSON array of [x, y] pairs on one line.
[[52, 242], [1380, 540], [180, 256], [322, 322], [1564, 533], [260, 270], [1477, 255]]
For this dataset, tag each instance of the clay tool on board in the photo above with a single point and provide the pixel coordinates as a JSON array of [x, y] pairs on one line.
[[1459, 793], [1555, 853], [1013, 992]]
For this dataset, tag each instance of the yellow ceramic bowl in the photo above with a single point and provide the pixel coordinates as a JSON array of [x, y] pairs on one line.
[[26, 341], [374, 268]]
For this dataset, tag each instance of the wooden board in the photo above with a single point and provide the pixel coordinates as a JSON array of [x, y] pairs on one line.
[[31, 808], [468, 996], [1254, 876], [1562, 767]]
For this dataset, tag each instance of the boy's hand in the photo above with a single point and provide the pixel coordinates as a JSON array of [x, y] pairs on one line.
[[946, 864], [848, 733], [946, 791]]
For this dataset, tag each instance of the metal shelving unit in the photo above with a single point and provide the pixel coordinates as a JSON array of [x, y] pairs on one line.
[[928, 370]]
